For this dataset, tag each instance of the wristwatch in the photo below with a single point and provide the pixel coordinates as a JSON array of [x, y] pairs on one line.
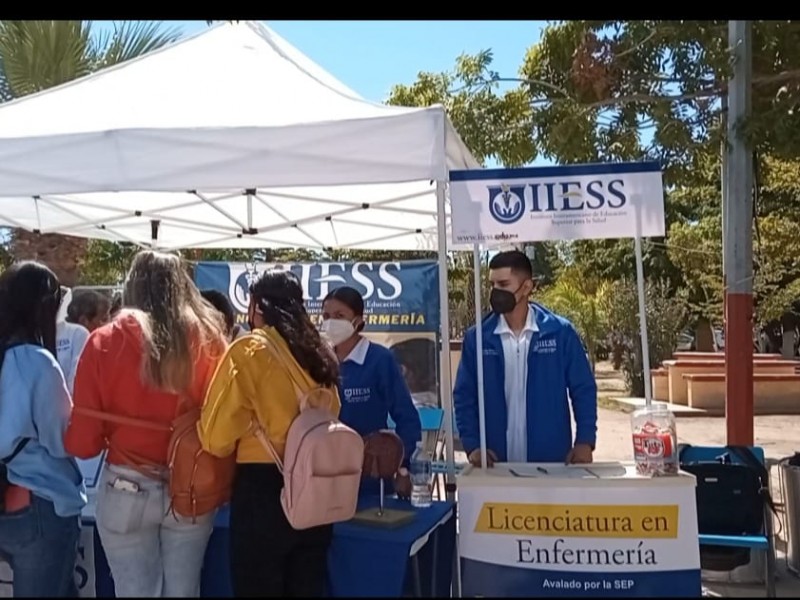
[[402, 472]]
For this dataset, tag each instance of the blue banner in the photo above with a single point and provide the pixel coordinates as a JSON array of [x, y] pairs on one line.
[[480, 579], [398, 296]]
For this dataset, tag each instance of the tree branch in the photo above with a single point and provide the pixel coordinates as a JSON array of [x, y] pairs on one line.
[[709, 92], [638, 44]]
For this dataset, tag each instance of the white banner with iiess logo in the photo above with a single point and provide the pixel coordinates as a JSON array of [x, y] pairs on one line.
[[595, 201]]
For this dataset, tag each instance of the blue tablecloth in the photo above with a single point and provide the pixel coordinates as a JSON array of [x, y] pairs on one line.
[[372, 561], [363, 560]]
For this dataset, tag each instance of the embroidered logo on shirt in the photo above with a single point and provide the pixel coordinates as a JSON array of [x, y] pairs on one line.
[[548, 346], [356, 395]]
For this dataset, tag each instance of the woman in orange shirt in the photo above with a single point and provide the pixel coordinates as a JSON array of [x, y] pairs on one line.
[[148, 364]]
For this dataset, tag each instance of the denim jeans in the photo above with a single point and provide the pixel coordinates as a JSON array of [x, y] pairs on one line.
[[151, 552], [41, 548]]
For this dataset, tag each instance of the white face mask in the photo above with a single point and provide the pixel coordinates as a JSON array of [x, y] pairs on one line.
[[337, 330]]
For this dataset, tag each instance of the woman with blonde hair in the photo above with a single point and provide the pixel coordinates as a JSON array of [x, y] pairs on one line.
[[255, 384], [153, 362]]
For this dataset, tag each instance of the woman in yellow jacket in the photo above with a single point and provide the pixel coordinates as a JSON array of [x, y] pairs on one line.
[[268, 557]]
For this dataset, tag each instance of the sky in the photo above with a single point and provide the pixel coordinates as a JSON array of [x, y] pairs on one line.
[[372, 56]]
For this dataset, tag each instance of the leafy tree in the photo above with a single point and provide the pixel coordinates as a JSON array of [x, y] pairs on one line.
[[37, 55], [493, 120], [616, 79], [492, 123], [652, 90], [461, 284], [105, 263], [629, 90], [779, 187], [777, 268], [665, 318], [348, 255], [583, 298], [696, 249]]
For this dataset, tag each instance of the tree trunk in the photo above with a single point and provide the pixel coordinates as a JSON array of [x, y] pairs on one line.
[[789, 323], [636, 374], [64, 254], [703, 336], [591, 349], [787, 349], [617, 355]]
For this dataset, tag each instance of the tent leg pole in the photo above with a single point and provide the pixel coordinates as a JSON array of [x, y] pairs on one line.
[[445, 384]]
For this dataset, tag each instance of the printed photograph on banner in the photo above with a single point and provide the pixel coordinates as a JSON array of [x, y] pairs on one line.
[[401, 306], [501, 206], [419, 362]]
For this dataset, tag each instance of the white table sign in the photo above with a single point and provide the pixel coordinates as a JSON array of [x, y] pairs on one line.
[[574, 531]]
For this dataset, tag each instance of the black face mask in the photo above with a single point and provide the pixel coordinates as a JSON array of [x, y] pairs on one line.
[[503, 301]]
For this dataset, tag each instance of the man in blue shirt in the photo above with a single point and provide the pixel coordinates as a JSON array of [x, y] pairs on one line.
[[533, 361]]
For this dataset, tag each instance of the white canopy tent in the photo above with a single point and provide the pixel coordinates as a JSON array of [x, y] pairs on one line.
[[231, 138], [232, 110]]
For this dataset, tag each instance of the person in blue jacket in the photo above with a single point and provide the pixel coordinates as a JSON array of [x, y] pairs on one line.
[[372, 385], [533, 362]]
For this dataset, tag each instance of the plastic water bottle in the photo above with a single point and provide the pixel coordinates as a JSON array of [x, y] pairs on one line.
[[421, 471]]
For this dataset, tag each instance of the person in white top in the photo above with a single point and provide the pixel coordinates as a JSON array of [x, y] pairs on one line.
[[535, 369], [86, 310]]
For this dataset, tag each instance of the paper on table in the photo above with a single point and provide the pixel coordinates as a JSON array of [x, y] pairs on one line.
[[568, 472], [559, 472]]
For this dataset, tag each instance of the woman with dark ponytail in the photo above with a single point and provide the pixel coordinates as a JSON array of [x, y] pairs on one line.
[[255, 384], [373, 386], [41, 487]]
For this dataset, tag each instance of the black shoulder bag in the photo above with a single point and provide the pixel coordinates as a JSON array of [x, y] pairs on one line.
[[4, 483], [730, 501]]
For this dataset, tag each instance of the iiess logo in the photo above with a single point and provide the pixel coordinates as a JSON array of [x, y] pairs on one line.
[[507, 203], [240, 288]]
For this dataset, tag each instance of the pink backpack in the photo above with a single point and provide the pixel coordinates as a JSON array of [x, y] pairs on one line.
[[322, 463]]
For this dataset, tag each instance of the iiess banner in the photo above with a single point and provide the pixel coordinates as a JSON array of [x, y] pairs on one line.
[[398, 296], [401, 302]]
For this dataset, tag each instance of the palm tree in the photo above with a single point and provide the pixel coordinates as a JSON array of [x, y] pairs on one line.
[[36, 55]]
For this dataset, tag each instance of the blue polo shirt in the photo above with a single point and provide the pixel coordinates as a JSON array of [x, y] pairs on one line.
[[373, 388]]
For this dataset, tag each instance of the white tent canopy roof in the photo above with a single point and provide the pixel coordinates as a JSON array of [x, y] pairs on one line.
[[399, 216], [186, 134]]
